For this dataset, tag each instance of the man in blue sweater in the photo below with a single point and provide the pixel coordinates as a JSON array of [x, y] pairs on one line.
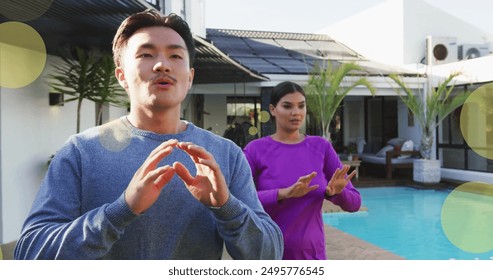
[[111, 191]]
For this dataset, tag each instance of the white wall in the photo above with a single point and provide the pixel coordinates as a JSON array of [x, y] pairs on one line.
[[394, 32], [196, 16], [31, 132], [404, 130], [466, 176], [193, 11]]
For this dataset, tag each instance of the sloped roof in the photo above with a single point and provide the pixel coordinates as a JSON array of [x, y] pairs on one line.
[[214, 66], [267, 52], [85, 23], [92, 25], [278, 52]]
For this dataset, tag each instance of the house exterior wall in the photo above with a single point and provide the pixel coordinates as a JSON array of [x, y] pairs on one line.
[[407, 131], [31, 131], [395, 32], [193, 11]]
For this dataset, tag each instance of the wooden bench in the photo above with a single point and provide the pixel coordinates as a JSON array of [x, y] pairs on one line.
[[391, 161]]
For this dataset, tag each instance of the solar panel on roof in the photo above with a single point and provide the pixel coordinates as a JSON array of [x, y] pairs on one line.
[[233, 46], [262, 48], [258, 64], [282, 53]]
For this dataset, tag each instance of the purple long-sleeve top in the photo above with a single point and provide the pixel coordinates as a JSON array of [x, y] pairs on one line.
[[278, 165]]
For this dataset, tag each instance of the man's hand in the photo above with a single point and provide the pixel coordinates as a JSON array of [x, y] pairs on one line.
[[298, 189], [339, 180], [208, 186], [148, 181]]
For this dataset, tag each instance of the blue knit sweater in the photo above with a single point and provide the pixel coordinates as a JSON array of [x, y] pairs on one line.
[[80, 211]]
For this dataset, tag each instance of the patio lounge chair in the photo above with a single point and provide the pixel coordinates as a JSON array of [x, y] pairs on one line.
[[392, 160]]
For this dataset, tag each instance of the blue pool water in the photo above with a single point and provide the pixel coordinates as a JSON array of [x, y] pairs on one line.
[[405, 221]]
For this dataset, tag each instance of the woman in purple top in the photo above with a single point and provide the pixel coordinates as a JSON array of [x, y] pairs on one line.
[[294, 173]]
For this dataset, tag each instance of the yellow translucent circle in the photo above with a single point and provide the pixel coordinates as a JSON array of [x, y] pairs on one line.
[[252, 130], [476, 121], [22, 54], [264, 116], [24, 10], [467, 216], [114, 136]]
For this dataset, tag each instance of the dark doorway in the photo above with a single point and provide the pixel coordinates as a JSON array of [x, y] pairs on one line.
[[381, 122]]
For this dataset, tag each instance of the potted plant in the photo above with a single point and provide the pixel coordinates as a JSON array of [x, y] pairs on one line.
[[87, 76], [76, 77], [430, 109], [108, 90], [327, 87], [84, 76], [352, 151]]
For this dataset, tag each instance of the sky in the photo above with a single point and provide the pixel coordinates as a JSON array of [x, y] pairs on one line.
[[312, 15]]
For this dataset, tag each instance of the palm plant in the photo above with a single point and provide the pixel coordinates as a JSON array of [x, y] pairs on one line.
[[108, 89], [87, 77], [432, 109], [76, 77], [327, 87]]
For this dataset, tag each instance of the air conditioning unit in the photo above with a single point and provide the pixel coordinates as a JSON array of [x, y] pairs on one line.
[[470, 51], [441, 50]]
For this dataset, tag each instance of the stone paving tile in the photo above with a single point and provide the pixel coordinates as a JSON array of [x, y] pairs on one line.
[[343, 246]]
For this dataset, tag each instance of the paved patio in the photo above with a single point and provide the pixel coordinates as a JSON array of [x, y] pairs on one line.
[[343, 246]]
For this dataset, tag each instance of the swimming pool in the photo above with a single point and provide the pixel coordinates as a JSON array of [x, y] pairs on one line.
[[405, 221]]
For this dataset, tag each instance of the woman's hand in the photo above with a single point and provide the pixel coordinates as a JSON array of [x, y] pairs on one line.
[[339, 180], [298, 189]]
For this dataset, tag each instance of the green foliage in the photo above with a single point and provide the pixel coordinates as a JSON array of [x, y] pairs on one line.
[[326, 89], [108, 89], [431, 110], [85, 76]]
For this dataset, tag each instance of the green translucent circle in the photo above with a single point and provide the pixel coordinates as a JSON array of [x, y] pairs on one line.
[[22, 54], [24, 10], [476, 121], [264, 116], [467, 217], [252, 130]]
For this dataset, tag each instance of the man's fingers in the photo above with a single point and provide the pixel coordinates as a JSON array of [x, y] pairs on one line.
[[158, 154], [183, 173], [193, 150], [162, 146], [166, 174]]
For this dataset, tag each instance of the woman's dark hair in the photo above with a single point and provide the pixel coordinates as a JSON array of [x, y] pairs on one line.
[[151, 18], [282, 89]]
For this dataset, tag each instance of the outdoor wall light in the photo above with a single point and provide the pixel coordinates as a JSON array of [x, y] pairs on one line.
[[56, 99]]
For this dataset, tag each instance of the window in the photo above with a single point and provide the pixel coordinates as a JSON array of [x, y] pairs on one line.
[[243, 119], [453, 149], [154, 3]]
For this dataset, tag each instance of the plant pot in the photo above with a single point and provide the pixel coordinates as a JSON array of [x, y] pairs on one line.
[[426, 171]]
